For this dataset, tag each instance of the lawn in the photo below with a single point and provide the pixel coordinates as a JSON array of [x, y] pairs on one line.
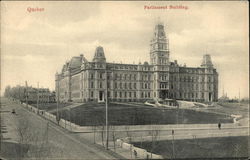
[[121, 114], [50, 106], [200, 148], [235, 108]]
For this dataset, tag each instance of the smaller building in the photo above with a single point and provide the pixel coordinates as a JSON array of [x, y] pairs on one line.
[[43, 95]]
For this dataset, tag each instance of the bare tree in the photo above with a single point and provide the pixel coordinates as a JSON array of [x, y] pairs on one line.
[[31, 143], [128, 134], [112, 128], [154, 133], [102, 130], [94, 130], [25, 137]]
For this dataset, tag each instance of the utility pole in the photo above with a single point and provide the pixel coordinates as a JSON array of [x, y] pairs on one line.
[[173, 143], [48, 95], [70, 118], [107, 130], [37, 98], [47, 133], [239, 96], [57, 102], [26, 93], [19, 96]]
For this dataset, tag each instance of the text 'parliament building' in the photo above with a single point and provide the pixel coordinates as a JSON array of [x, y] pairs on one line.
[[83, 81]]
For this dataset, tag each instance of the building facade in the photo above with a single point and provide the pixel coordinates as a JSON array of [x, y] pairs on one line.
[[83, 81]]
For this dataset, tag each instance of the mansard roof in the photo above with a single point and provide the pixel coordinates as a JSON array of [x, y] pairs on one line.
[[75, 62]]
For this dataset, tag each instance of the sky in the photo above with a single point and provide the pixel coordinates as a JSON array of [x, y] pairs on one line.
[[35, 45]]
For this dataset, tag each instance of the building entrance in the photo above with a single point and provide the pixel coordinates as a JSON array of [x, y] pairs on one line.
[[163, 94], [210, 97], [101, 96]]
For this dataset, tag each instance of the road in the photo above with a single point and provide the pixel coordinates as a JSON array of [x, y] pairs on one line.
[[64, 144]]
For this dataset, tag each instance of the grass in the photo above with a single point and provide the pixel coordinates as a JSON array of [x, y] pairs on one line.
[[200, 148], [50, 106], [121, 114], [233, 108]]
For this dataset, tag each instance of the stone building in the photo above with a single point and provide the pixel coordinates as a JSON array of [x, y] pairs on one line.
[[81, 80]]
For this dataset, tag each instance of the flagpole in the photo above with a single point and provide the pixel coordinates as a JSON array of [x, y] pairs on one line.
[[107, 130]]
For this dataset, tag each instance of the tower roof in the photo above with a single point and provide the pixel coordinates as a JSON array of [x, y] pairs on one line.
[[99, 55], [206, 61]]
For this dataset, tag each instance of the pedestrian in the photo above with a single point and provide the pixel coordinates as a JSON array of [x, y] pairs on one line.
[[219, 125], [172, 132], [135, 153]]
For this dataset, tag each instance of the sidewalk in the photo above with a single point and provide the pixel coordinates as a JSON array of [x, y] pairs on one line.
[[127, 154]]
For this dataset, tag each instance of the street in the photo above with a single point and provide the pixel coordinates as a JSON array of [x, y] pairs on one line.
[[63, 144]]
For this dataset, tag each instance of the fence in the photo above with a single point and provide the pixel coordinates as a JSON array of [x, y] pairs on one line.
[[141, 153], [131, 128]]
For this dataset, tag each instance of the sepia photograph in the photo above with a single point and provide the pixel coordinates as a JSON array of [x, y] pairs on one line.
[[83, 80]]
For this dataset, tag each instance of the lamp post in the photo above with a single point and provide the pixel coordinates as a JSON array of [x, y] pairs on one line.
[[107, 130], [173, 143], [26, 93], [37, 98], [57, 102], [239, 96]]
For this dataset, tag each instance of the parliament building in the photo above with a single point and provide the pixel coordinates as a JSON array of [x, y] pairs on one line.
[[82, 81]]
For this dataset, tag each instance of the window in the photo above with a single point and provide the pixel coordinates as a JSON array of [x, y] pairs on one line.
[[135, 94], [92, 85], [91, 75], [92, 94], [100, 84]]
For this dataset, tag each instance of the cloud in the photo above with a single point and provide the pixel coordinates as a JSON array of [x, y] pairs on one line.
[[41, 42]]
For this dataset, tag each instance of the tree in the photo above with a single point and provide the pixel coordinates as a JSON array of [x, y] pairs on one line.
[[128, 133], [31, 143], [113, 134], [154, 133]]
